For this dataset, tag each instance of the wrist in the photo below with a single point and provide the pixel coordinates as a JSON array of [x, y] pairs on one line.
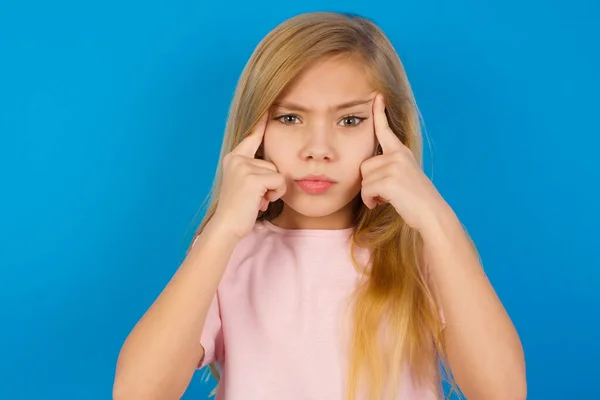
[[440, 222], [222, 230]]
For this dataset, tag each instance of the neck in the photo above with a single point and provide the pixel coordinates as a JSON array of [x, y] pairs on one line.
[[290, 219]]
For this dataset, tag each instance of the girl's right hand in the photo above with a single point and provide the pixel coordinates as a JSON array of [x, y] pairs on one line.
[[248, 184]]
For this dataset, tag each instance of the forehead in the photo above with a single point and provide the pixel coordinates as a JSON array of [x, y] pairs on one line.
[[330, 82]]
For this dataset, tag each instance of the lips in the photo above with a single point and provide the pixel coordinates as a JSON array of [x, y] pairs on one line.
[[315, 184]]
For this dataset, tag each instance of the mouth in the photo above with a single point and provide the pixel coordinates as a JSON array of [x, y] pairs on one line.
[[315, 184]]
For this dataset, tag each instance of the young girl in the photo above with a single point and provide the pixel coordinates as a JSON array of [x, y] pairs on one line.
[[327, 266]]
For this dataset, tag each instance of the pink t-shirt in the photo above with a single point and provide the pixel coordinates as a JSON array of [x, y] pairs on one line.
[[276, 325]]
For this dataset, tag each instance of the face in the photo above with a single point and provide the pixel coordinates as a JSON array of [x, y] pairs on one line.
[[319, 133]]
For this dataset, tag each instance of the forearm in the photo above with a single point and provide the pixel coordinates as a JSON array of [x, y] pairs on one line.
[[161, 353], [483, 347]]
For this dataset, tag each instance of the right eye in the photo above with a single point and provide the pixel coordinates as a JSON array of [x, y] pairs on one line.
[[288, 119]]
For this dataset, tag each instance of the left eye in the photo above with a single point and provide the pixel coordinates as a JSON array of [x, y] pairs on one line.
[[351, 121]]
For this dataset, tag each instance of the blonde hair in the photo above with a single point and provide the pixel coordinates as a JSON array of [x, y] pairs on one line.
[[394, 299]]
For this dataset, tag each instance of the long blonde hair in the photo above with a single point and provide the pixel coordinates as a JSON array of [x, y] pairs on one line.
[[395, 299]]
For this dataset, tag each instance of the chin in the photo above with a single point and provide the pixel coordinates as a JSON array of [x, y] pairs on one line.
[[316, 206]]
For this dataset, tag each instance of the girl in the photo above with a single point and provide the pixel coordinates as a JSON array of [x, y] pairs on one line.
[[327, 266]]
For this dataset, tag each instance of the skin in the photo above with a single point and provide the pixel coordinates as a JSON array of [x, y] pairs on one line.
[[310, 131], [162, 352], [484, 350]]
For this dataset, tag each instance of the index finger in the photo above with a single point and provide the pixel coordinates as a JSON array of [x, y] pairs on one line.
[[251, 143], [386, 137]]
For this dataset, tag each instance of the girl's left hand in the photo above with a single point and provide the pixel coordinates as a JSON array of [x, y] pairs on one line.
[[395, 177]]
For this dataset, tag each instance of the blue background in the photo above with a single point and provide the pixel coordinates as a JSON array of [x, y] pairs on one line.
[[111, 117]]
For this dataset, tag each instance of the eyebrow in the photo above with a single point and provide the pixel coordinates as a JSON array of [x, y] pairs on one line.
[[292, 106]]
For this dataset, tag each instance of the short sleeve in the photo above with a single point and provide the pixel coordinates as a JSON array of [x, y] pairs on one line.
[[212, 335]]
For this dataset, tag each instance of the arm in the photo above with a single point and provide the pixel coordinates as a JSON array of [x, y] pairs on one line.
[[484, 350], [163, 350]]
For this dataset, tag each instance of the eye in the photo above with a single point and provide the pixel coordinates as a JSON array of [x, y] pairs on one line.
[[288, 119], [351, 121]]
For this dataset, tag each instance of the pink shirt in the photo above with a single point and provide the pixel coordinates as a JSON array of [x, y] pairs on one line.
[[276, 326]]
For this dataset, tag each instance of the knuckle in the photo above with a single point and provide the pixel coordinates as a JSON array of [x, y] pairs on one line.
[[399, 160], [227, 159], [397, 168], [389, 183], [407, 152], [232, 159], [399, 156], [364, 167], [243, 168], [269, 165], [252, 180]]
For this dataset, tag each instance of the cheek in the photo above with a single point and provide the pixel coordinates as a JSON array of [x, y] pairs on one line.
[[357, 152], [361, 148], [276, 148]]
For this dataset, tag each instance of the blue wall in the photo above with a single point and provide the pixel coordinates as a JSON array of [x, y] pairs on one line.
[[111, 117]]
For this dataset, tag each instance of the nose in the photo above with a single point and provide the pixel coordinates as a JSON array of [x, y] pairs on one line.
[[318, 145]]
